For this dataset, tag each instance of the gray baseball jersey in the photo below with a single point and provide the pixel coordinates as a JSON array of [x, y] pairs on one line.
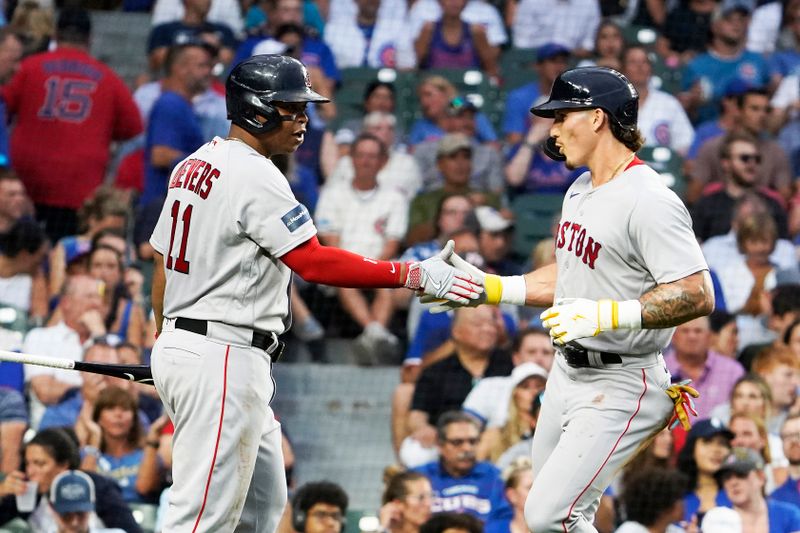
[[620, 240], [228, 218]]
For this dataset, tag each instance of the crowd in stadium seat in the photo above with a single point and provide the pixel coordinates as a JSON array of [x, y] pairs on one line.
[[427, 138]]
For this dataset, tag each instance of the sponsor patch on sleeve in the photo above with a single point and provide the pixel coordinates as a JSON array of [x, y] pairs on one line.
[[296, 217]]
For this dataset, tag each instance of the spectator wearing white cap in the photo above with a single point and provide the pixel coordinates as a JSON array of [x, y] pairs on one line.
[[488, 401], [72, 496], [495, 232], [527, 381]]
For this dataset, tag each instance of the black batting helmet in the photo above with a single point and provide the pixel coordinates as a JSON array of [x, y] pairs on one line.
[[256, 82], [588, 88]]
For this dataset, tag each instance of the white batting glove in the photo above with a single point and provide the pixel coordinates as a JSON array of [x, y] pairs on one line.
[[440, 280], [577, 318], [497, 289], [447, 305]]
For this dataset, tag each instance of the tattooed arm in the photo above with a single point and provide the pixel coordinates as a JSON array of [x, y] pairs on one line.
[[671, 304]]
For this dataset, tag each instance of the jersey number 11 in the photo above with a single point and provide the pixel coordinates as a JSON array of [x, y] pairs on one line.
[[180, 264]]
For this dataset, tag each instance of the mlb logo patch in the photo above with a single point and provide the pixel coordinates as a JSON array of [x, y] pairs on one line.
[[296, 217]]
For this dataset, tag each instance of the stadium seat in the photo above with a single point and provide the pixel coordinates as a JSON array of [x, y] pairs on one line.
[[358, 521], [641, 35], [350, 95], [668, 163], [145, 515], [13, 319], [666, 78], [18, 525], [515, 67], [535, 215]]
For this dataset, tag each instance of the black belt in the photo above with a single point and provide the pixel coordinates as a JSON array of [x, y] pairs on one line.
[[579, 357], [261, 339]]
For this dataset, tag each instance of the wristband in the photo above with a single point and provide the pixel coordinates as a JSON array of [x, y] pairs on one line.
[[91, 451], [505, 289], [619, 315]]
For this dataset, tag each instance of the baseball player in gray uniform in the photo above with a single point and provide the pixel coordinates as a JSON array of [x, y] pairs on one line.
[[628, 270], [228, 238]]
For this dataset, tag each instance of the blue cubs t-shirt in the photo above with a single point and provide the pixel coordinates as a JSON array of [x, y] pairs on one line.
[[714, 73], [480, 493]]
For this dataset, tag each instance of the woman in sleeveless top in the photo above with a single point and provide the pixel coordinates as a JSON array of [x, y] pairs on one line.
[[22, 281], [452, 43]]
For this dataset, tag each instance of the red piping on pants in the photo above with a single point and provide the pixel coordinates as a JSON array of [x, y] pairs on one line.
[[627, 427], [216, 444]]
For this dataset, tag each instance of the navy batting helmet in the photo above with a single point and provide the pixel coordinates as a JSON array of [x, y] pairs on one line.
[[255, 83], [588, 88]]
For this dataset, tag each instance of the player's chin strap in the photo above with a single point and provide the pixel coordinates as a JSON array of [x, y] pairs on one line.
[[682, 396]]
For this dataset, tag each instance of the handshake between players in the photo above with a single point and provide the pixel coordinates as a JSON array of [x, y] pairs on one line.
[[467, 286]]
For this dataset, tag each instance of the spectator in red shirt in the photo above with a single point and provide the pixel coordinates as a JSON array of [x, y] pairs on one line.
[[68, 107]]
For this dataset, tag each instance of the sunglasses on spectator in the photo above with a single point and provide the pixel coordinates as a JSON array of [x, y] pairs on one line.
[[748, 158], [473, 441]]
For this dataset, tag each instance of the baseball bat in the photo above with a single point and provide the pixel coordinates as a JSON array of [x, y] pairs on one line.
[[137, 373]]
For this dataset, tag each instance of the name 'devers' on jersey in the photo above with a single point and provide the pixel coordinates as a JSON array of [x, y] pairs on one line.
[[195, 175]]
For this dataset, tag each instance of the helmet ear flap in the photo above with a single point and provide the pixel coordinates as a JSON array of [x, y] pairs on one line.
[[551, 150], [247, 109], [272, 115]]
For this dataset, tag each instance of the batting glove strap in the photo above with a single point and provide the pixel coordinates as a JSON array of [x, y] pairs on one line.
[[505, 289], [619, 315], [437, 278], [413, 276]]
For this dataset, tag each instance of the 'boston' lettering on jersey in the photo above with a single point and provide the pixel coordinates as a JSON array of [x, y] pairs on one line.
[[196, 175], [578, 243]]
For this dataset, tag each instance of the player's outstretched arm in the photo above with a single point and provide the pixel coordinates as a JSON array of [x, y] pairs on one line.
[[665, 306], [536, 288], [332, 266]]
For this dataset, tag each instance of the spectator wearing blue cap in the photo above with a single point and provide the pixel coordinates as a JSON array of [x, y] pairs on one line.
[[72, 496], [707, 445], [551, 60]]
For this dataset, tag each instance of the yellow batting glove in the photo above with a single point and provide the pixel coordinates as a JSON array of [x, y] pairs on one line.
[[682, 396], [578, 318]]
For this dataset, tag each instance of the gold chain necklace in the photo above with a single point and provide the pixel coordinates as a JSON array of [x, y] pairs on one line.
[[237, 140], [621, 165]]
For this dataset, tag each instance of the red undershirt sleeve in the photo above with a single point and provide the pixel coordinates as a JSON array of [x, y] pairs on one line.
[[333, 266]]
